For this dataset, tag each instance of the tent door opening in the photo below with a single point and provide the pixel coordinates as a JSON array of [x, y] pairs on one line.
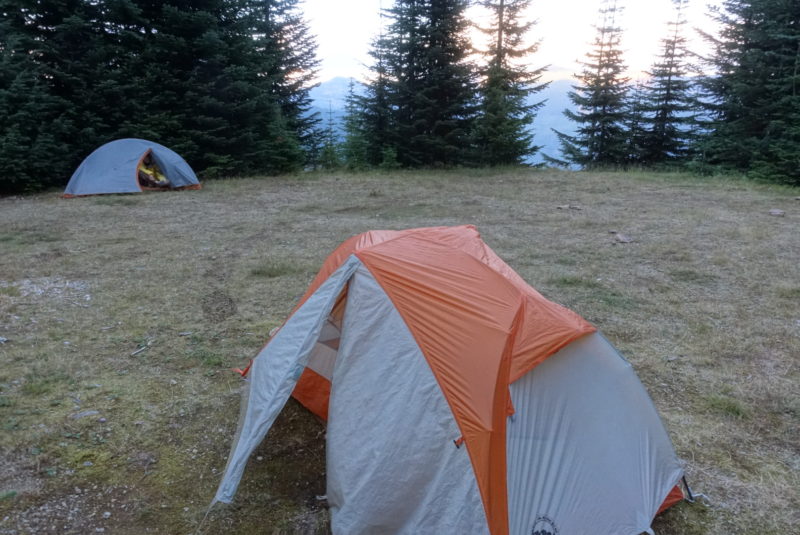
[[149, 174]]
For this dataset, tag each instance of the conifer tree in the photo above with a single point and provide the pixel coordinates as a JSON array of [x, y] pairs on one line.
[[503, 136], [375, 117], [290, 64], [48, 51], [355, 144], [753, 95], [329, 155], [600, 101], [635, 124], [668, 101], [427, 84]]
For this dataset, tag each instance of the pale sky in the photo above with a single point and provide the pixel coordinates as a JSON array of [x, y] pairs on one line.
[[345, 29]]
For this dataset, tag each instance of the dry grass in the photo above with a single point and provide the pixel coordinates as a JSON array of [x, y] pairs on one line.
[[138, 306]]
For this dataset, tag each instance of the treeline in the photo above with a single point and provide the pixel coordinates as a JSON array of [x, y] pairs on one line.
[[741, 117], [426, 105], [226, 84]]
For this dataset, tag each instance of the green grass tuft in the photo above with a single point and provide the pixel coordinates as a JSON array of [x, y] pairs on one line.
[[789, 292], [26, 237], [207, 357], [274, 269], [10, 291], [115, 200], [691, 276], [727, 406], [574, 281]]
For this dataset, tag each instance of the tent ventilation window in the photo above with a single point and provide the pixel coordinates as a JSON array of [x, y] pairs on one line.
[[323, 356]]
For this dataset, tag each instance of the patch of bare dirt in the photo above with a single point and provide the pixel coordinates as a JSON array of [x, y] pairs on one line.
[[86, 510], [17, 475], [218, 306], [51, 288]]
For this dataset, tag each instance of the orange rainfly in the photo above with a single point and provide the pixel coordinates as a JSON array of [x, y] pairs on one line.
[[478, 329]]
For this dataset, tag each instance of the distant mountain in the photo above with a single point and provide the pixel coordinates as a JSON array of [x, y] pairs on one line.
[[328, 99], [331, 93], [550, 116]]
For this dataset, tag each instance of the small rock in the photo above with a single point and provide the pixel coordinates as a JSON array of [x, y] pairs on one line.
[[143, 459], [3, 340], [185, 333], [83, 414], [259, 458], [107, 514], [777, 213], [102, 420], [173, 382], [623, 238], [88, 463]]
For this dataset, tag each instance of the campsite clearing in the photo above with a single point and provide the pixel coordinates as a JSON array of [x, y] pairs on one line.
[[138, 306]]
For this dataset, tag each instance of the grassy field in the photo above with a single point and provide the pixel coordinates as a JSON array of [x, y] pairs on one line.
[[123, 316]]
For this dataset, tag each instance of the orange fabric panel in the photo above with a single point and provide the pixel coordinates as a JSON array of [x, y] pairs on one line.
[[462, 315], [674, 496], [548, 326], [314, 392]]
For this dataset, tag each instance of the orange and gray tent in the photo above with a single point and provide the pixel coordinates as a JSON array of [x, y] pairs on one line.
[[113, 168], [458, 399]]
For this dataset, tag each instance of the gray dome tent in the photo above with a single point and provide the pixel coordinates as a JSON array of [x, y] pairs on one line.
[[113, 168]]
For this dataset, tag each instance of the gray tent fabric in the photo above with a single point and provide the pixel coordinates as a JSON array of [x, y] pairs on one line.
[[587, 451], [113, 168], [392, 468]]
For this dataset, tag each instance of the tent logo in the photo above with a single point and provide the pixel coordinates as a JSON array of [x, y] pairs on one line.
[[544, 525]]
